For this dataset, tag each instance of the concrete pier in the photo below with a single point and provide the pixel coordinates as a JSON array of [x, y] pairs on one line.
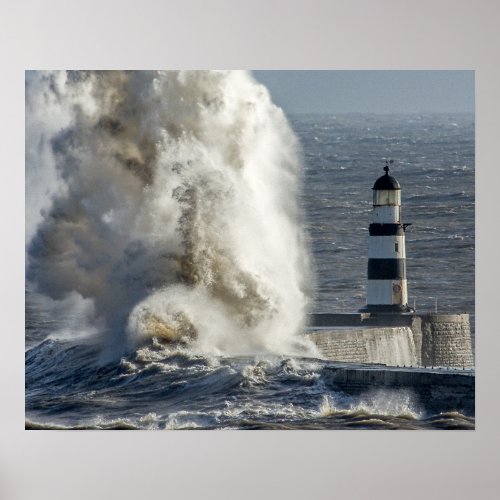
[[446, 340], [431, 340], [435, 390], [363, 344]]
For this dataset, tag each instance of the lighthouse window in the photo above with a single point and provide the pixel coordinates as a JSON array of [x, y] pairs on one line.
[[396, 247], [387, 197]]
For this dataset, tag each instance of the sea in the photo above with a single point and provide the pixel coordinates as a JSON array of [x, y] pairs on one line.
[[160, 386]]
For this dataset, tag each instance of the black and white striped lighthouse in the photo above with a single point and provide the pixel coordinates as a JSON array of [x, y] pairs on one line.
[[387, 290]]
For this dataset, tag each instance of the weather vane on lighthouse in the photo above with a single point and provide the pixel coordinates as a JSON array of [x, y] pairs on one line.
[[387, 289]]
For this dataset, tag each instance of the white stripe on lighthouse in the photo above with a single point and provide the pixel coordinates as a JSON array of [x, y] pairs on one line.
[[385, 292], [386, 247], [387, 214]]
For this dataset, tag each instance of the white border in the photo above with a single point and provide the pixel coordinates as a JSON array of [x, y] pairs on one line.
[[254, 34]]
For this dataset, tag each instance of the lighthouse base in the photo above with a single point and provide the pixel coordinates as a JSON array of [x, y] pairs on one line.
[[387, 309]]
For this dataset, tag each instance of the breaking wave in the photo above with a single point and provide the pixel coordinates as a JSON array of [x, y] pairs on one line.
[[163, 386], [165, 204]]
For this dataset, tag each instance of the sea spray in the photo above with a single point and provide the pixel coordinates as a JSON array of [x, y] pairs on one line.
[[170, 200]]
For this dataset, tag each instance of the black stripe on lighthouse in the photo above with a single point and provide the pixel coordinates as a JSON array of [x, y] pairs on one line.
[[386, 269], [377, 229]]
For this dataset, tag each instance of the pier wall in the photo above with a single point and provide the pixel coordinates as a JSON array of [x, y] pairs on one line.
[[446, 340], [394, 339], [388, 346], [433, 390]]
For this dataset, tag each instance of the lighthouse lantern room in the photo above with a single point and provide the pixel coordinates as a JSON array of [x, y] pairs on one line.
[[387, 288]]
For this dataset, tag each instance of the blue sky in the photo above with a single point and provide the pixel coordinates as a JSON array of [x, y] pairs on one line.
[[371, 91]]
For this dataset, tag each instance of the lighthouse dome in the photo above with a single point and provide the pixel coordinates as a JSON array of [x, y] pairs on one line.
[[386, 182]]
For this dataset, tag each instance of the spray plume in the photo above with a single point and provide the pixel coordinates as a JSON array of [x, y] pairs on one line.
[[166, 204]]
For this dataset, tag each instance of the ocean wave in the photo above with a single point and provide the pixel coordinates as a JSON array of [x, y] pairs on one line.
[[377, 402]]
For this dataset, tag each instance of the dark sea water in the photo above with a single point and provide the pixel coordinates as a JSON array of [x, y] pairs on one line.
[[165, 387]]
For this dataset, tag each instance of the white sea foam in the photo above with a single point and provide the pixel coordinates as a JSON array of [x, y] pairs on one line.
[[376, 402]]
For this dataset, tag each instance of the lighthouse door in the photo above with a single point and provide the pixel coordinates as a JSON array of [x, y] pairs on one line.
[[397, 293]]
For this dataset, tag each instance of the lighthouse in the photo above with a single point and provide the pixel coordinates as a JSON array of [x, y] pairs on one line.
[[387, 290]]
